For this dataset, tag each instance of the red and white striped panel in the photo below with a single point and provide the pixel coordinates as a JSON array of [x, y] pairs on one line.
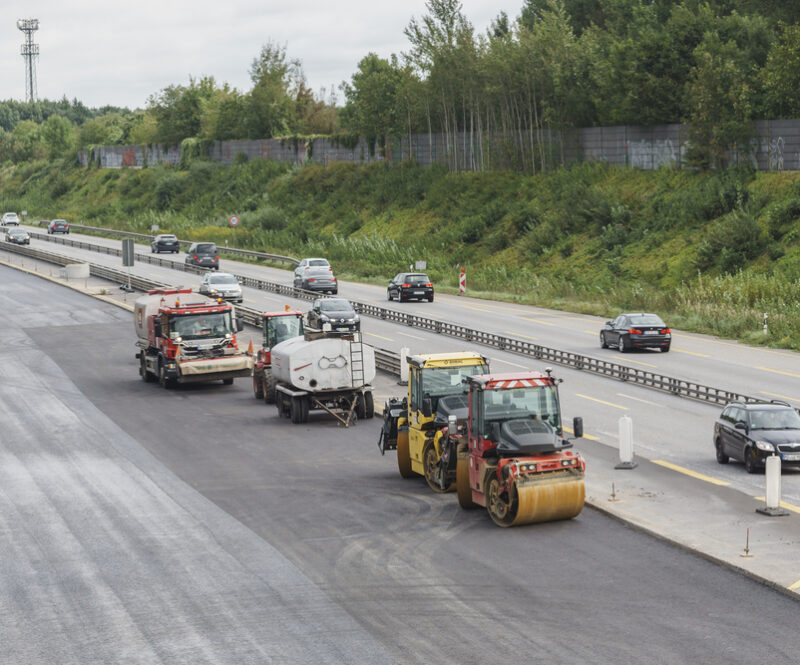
[[518, 383]]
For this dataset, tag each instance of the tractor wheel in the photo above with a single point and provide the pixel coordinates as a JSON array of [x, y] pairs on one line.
[[269, 388], [258, 387], [463, 488], [430, 462], [403, 455], [722, 458]]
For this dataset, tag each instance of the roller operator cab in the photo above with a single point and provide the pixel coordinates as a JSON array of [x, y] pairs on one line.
[[414, 425], [513, 458], [276, 327]]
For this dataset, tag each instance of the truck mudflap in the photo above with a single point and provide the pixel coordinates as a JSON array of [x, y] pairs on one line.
[[207, 369]]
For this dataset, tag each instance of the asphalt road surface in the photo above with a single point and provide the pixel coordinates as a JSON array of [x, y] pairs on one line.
[[195, 526]]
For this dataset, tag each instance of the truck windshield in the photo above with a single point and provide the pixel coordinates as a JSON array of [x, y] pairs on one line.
[[200, 326], [538, 403], [442, 381]]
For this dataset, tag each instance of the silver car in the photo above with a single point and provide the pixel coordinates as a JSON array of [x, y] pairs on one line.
[[315, 275], [221, 285], [10, 219]]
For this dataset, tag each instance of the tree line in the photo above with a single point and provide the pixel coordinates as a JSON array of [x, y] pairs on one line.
[[715, 65]]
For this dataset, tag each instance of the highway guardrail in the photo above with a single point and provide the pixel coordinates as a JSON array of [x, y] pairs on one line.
[[679, 387]]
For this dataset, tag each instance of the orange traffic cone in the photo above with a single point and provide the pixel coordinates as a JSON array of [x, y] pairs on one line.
[[250, 348]]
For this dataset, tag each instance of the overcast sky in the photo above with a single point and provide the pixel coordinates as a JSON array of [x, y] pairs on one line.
[[120, 52]]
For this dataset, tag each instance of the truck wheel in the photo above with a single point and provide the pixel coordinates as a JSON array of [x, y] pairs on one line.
[[296, 410], [403, 455], [304, 408], [269, 388], [227, 382], [258, 387], [369, 405], [463, 488], [361, 411], [162, 377], [147, 376]]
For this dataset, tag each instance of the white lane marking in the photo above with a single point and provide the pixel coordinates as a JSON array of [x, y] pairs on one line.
[[409, 335], [638, 399], [500, 360]]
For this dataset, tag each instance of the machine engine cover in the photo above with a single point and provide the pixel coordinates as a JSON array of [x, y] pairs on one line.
[[457, 405], [527, 436]]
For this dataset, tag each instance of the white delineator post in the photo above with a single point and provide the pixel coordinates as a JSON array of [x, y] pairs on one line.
[[772, 502], [462, 282], [626, 444], [404, 366]]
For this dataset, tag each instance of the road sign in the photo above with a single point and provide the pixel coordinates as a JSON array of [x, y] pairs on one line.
[[127, 252], [462, 282], [234, 220]]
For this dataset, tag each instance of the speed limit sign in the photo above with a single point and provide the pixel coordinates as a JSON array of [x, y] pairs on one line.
[[234, 220]]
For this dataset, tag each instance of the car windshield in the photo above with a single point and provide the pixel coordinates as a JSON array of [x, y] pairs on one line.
[[167, 238], [443, 381], [774, 419], [222, 279], [645, 320], [281, 328], [200, 326], [18, 233], [538, 403], [335, 305], [206, 248], [417, 279], [319, 262]]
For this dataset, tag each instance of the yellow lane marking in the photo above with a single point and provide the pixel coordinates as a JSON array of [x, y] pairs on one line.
[[511, 332], [689, 472], [419, 311], [795, 586], [693, 353], [783, 504], [388, 339], [779, 371], [635, 362], [793, 399], [740, 345], [479, 309], [500, 360], [600, 401], [544, 323], [569, 430], [591, 332]]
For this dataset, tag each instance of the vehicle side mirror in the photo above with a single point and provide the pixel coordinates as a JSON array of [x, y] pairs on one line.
[[577, 427], [741, 425], [609, 323], [427, 407], [157, 328], [452, 424], [239, 323], [495, 432]]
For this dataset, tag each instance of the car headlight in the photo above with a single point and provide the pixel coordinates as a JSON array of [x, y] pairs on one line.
[[766, 446], [324, 317]]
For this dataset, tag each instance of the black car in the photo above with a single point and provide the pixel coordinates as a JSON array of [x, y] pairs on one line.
[[58, 226], [410, 285], [165, 242], [203, 254], [752, 431], [18, 236], [336, 312], [636, 331]]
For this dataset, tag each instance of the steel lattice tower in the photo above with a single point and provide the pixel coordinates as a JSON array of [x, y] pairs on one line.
[[30, 52]]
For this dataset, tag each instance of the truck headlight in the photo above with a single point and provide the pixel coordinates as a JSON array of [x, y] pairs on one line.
[[765, 445]]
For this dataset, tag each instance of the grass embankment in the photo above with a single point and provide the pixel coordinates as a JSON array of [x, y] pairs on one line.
[[711, 252]]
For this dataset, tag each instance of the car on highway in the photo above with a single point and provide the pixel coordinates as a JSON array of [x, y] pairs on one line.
[[165, 242], [752, 431], [18, 236], [203, 254], [58, 226], [221, 285], [9, 219], [337, 313], [315, 274], [636, 331], [410, 285]]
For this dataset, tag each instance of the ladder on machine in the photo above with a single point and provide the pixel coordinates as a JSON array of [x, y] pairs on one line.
[[357, 361]]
